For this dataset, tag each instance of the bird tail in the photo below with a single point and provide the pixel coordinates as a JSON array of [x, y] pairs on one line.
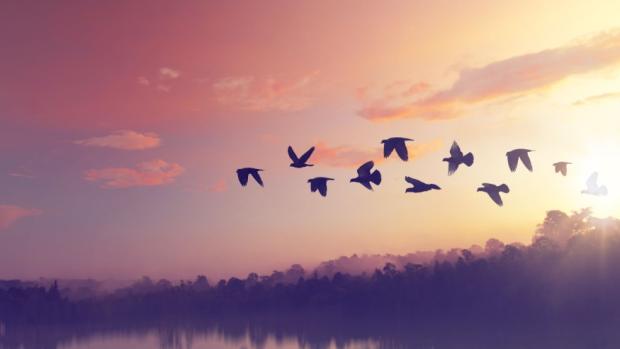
[[468, 159], [375, 177], [504, 188]]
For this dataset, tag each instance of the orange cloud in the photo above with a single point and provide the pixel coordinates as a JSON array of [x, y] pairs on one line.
[[349, 157], [150, 173], [9, 214], [124, 139], [509, 77], [253, 94]]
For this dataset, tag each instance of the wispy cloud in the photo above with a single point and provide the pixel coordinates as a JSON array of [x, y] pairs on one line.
[[10, 214], [123, 139], [168, 73], [264, 94], [598, 98], [350, 157], [505, 78], [219, 186], [150, 173]]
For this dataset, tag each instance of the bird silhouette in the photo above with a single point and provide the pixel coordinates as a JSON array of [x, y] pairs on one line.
[[320, 184], [365, 177], [397, 143], [494, 190], [456, 158], [243, 174], [561, 167], [419, 186], [516, 154], [300, 162], [593, 188]]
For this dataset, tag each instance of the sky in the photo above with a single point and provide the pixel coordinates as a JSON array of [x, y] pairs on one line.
[[122, 124]]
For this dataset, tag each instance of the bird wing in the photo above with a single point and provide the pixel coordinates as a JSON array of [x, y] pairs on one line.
[[592, 181], [455, 150], [513, 159], [243, 177], [401, 149], [414, 181], [256, 176], [364, 170], [313, 186], [366, 184], [388, 147], [322, 186], [292, 155], [452, 167], [304, 158], [526, 161], [563, 169], [494, 195]]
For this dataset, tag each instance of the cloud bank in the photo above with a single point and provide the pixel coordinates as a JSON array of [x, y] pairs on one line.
[[150, 173], [124, 139], [509, 77], [10, 214]]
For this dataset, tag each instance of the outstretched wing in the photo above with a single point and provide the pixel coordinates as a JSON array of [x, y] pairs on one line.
[[401, 149], [364, 170], [256, 176], [494, 195], [592, 182], [243, 177], [513, 159], [455, 151], [388, 147], [413, 181], [452, 167], [292, 155], [366, 184], [304, 158], [322, 186], [526, 161]]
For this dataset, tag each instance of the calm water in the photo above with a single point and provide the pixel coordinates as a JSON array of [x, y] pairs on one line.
[[289, 334]]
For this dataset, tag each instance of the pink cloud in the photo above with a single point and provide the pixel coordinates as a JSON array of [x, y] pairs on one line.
[[350, 157], [219, 186], [505, 78], [124, 139], [9, 214], [150, 173], [255, 94]]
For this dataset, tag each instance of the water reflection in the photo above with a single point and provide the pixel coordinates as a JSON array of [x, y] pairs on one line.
[[319, 332]]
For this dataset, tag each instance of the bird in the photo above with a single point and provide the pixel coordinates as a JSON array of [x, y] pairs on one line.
[[516, 154], [561, 167], [243, 174], [494, 190], [300, 162], [593, 188], [419, 186], [397, 143], [365, 177], [320, 184], [456, 158]]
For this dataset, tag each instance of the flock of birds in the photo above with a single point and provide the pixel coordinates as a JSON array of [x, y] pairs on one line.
[[366, 176]]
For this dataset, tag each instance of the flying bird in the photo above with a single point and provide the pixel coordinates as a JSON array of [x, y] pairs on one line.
[[514, 156], [561, 167], [300, 162], [397, 143], [419, 186], [243, 174], [593, 188], [456, 158], [320, 184], [494, 190], [365, 177]]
